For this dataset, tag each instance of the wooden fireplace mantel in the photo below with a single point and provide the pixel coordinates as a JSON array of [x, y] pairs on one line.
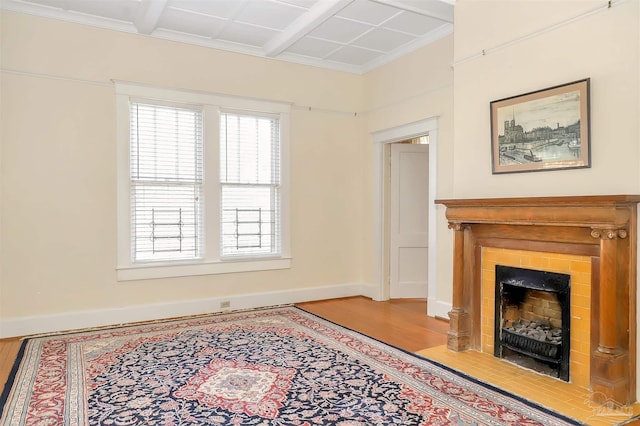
[[603, 227]]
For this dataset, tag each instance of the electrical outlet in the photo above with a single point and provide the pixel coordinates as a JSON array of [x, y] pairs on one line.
[[225, 304]]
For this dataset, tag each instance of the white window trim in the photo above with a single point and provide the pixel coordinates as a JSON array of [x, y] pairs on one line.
[[211, 263]]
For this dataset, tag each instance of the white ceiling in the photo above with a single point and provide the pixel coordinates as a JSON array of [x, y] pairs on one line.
[[349, 35]]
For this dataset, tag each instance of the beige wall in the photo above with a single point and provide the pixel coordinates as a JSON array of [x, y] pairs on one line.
[[58, 175], [602, 46], [59, 166], [528, 45]]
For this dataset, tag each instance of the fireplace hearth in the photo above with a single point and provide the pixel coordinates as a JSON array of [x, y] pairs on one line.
[[599, 228], [532, 319]]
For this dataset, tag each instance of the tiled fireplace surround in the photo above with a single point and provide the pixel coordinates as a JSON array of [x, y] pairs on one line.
[[591, 238]]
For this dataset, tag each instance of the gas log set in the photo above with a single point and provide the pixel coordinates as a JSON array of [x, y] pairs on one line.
[[539, 337], [536, 330]]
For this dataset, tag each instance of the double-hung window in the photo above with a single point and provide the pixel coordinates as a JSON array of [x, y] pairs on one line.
[[166, 176], [250, 182], [202, 183]]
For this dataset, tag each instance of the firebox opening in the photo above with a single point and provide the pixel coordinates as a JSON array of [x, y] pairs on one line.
[[532, 321]]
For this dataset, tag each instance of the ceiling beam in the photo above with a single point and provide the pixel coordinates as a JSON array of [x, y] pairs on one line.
[[317, 14], [438, 9], [149, 15]]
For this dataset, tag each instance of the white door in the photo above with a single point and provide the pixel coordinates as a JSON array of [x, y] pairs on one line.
[[409, 218]]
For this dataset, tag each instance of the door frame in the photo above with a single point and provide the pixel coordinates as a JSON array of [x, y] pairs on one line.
[[381, 198]]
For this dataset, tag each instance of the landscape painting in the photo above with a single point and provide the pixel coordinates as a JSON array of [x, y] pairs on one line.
[[543, 130]]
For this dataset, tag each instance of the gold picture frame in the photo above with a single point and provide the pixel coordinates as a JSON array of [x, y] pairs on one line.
[[543, 130]]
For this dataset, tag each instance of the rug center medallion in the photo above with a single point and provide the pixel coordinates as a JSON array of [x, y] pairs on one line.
[[240, 387], [239, 384]]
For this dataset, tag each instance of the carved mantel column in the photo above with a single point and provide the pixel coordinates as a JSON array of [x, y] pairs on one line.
[[610, 374], [608, 287], [458, 336]]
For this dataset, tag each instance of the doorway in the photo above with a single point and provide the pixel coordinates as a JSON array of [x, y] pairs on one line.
[[383, 141]]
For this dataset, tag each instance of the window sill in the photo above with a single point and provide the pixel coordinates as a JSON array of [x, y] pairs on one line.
[[172, 270]]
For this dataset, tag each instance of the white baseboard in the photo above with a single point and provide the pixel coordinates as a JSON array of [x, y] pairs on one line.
[[369, 291], [25, 326], [437, 308]]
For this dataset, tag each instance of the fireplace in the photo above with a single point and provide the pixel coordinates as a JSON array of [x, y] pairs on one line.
[[532, 319], [600, 229]]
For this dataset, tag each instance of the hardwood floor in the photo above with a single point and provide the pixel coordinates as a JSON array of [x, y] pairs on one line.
[[8, 352], [400, 322]]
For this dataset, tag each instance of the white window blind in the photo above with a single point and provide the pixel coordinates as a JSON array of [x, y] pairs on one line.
[[166, 178], [250, 184]]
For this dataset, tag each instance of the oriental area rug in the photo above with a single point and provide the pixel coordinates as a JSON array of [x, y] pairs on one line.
[[277, 366]]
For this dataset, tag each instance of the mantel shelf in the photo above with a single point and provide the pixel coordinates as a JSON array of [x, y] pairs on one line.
[[607, 211]]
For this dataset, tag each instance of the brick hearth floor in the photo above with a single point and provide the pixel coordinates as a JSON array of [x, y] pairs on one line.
[[565, 398]]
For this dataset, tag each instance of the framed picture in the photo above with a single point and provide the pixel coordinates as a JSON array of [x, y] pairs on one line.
[[543, 130]]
